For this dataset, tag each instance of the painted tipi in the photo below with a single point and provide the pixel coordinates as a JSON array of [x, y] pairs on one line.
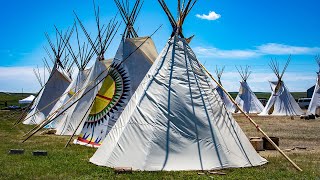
[[133, 59], [76, 111]]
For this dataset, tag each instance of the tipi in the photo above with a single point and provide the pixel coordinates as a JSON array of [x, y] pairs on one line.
[[76, 111], [281, 102], [246, 99], [56, 84], [73, 113], [315, 101], [228, 103], [133, 59], [175, 120], [81, 59]]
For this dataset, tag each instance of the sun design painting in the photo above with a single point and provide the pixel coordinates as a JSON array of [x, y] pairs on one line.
[[108, 105]]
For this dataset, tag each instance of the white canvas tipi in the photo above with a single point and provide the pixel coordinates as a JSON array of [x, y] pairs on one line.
[[77, 108], [281, 102], [81, 59], [315, 101], [225, 98], [131, 63], [76, 111], [175, 120], [56, 84], [246, 99]]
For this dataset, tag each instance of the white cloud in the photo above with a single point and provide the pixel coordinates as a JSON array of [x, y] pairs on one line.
[[14, 79], [282, 49], [259, 81], [211, 16], [264, 49], [220, 53]]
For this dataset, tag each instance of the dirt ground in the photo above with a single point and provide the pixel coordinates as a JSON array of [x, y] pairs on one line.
[[296, 135]]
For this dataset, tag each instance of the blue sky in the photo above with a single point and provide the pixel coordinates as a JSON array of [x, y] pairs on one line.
[[234, 33]]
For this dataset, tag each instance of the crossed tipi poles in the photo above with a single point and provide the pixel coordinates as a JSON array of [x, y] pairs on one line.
[[246, 99], [281, 102]]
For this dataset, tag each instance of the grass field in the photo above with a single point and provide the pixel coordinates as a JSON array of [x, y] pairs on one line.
[[72, 162], [11, 98]]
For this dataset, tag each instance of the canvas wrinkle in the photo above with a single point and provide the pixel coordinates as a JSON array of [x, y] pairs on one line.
[[204, 104], [193, 110], [169, 93], [145, 87], [208, 118], [238, 140]]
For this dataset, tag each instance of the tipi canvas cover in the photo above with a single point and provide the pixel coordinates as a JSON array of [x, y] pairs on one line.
[[315, 101], [281, 102], [131, 63], [246, 99], [74, 87], [175, 120], [225, 98], [53, 89]]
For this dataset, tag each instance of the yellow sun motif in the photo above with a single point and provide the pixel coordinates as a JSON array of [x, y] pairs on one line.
[[104, 95]]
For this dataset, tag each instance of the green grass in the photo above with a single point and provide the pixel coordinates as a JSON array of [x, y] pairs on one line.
[[11, 98], [72, 162]]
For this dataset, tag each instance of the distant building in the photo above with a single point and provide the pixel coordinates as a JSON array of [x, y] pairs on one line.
[[310, 92]]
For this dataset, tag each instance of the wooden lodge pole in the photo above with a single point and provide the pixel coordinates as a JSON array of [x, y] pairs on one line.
[[253, 122]]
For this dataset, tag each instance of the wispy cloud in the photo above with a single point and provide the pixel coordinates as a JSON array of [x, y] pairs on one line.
[[259, 81], [14, 79], [211, 16], [282, 49], [220, 53], [264, 49]]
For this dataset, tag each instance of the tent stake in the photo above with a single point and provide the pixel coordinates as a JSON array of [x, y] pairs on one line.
[[253, 122]]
